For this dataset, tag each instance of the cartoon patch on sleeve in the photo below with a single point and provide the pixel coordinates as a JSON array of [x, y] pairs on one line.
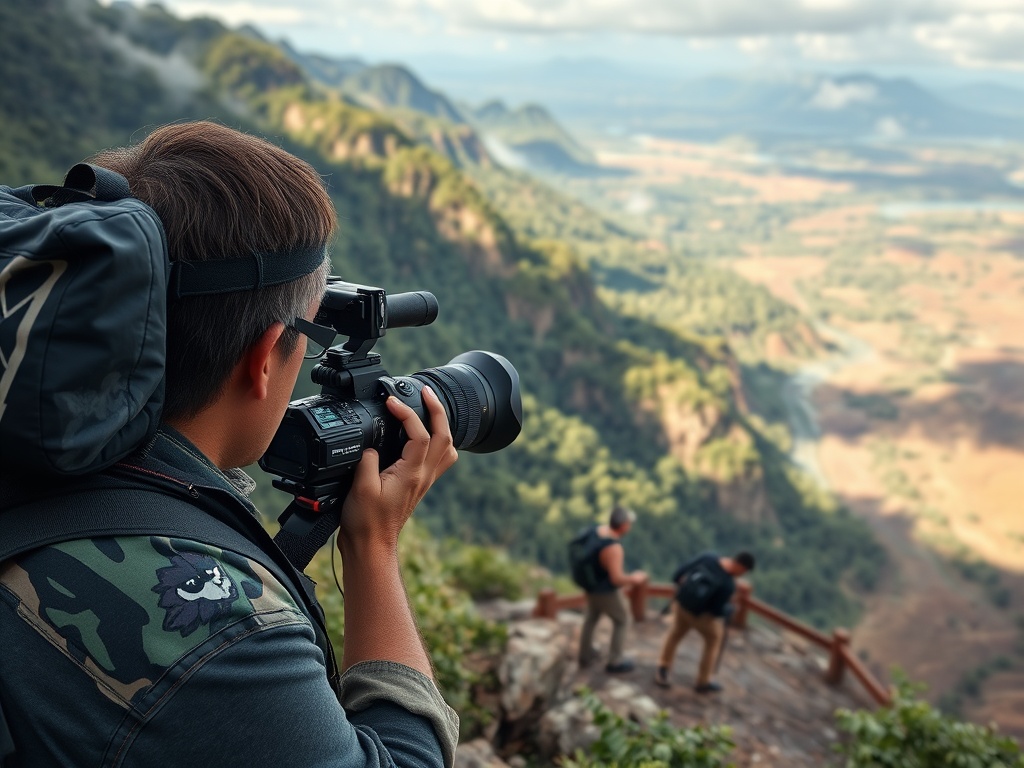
[[194, 589]]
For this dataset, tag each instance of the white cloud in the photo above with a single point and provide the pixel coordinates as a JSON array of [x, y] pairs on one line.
[[639, 203], [889, 128], [707, 18], [832, 96], [964, 32], [504, 154], [755, 45], [981, 40], [245, 13], [968, 32], [822, 47]]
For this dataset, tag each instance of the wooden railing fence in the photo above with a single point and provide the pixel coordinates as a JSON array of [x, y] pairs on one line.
[[841, 656]]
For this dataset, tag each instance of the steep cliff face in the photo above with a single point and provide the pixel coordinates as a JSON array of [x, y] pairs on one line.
[[710, 443]]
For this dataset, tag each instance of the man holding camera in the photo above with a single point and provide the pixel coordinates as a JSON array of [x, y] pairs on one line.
[[143, 650]]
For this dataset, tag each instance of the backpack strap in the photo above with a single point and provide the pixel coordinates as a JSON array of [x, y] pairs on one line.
[[83, 182], [143, 511], [107, 512]]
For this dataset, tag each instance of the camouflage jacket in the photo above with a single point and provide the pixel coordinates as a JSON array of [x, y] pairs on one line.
[[146, 650]]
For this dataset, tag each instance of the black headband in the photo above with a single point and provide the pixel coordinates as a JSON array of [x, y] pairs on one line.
[[249, 273], [196, 278]]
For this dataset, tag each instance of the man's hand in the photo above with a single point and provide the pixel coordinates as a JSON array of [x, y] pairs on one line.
[[378, 622], [638, 577], [380, 503]]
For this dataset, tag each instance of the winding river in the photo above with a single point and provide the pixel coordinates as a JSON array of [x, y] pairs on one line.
[[798, 395]]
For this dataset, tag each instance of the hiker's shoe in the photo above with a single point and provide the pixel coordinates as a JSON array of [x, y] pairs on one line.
[[621, 667], [708, 688], [661, 677]]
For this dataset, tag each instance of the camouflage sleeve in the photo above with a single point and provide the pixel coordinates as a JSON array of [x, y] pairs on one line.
[[177, 653]]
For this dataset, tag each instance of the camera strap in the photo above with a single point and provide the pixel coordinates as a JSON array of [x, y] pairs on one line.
[[306, 525]]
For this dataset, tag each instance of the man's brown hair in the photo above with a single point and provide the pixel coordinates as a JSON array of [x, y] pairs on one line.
[[222, 194]]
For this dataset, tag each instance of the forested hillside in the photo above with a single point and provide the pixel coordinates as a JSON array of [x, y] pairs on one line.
[[618, 409]]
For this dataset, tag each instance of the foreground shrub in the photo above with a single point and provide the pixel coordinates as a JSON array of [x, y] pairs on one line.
[[913, 734], [658, 744]]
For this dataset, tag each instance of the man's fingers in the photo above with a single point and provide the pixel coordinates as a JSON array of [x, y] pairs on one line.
[[367, 475], [439, 425], [415, 450]]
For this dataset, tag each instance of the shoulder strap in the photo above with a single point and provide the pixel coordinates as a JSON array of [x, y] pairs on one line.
[[142, 511], [117, 512]]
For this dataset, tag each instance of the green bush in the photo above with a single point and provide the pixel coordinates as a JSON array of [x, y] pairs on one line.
[[487, 573], [913, 734], [625, 743], [454, 634]]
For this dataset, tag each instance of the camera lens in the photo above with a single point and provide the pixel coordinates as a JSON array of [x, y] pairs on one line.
[[480, 392]]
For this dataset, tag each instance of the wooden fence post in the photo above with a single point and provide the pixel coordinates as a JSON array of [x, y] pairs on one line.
[[744, 589], [638, 599], [836, 663], [547, 604]]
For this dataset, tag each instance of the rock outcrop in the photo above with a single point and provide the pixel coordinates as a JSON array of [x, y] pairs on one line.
[[776, 702]]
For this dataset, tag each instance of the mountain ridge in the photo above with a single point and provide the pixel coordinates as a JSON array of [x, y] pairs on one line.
[[617, 409]]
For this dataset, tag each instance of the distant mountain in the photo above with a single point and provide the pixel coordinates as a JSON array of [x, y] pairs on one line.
[[997, 98], [328, 70], [849, 106], [531, 137], [391, 86], [601, 97]]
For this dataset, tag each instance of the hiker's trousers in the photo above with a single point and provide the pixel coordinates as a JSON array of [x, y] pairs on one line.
[[610, 604], [710, 627]]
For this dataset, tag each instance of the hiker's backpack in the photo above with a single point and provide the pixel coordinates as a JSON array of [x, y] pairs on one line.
[[698, 588], [583, 549], [85, 282], [83, 292]]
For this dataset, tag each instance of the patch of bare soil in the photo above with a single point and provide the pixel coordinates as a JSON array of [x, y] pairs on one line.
[[940, 476]]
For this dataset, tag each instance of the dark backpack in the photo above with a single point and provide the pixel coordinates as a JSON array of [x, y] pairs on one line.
[[583, 549], [83, 291], [85, 283], [698, 588]]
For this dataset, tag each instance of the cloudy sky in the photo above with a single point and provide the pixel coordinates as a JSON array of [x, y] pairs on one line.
[[972, 38]]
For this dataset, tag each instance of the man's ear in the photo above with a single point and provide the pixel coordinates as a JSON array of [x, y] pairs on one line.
[[257, 364]]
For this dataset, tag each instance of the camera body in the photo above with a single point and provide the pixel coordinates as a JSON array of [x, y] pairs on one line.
[[322, 438]]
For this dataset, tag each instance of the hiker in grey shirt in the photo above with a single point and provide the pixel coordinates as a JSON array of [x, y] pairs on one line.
[[604, 596]]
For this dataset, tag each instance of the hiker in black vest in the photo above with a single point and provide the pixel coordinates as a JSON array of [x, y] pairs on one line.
[[603, 563], [705, 586]]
